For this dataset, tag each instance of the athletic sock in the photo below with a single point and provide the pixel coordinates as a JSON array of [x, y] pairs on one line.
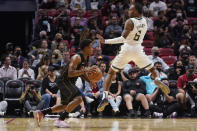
[[63, 116], [105, 94], [47, 111]]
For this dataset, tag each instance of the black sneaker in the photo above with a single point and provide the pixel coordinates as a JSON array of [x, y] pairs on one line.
[[102, 105], [131, 114], [147, 114]]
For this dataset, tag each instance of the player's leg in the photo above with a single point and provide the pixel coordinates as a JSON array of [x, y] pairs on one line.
[[117, 64], [143, 61]]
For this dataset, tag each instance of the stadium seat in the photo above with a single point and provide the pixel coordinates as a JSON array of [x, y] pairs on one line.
[[150, 35], [147, 43], [170, 60], [13, 92], [25, 79], [5, 79], [147, 51], [91, 13], [166, 52], [73, 13], [2, 90], [191, 20]]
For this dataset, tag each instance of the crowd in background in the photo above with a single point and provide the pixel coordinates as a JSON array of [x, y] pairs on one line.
[[62, 24]]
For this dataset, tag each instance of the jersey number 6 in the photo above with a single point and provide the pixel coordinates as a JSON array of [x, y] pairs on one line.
[[137, 35]]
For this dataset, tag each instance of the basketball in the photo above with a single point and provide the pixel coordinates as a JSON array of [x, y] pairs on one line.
[[95, 76]]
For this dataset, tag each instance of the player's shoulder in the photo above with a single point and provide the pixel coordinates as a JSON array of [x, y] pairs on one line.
[[76, 57]]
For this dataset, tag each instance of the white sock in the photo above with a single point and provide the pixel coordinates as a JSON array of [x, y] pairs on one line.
[[105, 94]]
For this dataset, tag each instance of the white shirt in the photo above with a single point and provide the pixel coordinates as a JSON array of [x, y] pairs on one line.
[[30, 72], [156, 7], [9, 72], [158, 59]]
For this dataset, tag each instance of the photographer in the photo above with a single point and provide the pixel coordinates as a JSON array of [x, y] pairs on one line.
[[31, 98], [186, 86]]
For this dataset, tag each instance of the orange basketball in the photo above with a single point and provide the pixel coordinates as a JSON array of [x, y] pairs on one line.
[[96, 76]]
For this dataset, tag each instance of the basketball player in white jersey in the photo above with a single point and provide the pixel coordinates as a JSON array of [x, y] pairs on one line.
[[132, 37]]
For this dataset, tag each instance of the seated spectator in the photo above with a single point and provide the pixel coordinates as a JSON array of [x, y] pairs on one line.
[[161, 22], [3, 107], [83, 20], [187, 89], [184, 57], [184, 44], [155, 57], [7, 70], [66, 58], [78, 5], [177, 31], [134, 91], [157, 6], [42, 72], [159, 68], [38, 53], [192, 60], [177, 70], [26, 71], [49, 88], [17, 59], [179, 14], [166, 104], [42, 35], [113, 29], [31, 98], [56, 43], [114, 97]]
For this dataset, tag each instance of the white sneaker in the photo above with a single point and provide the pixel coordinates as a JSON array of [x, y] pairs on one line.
[[116, 110], [88, 99], [157, 115], [61, 124], [2, 113]]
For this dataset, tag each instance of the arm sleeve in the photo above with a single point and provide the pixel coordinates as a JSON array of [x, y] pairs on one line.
[[117, 40]]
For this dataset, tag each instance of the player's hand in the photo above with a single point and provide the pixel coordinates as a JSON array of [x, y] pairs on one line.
[[83, 110], [91, 69], [53, 95], [92, 84], [100, 38]]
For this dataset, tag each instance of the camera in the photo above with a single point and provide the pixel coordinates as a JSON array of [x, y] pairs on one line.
[[32, 87], [190, 84]]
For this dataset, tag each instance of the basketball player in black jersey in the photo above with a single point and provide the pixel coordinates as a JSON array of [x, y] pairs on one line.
[[70, 95]]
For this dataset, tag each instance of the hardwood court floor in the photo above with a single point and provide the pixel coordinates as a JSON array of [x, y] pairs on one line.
[[28, 124]]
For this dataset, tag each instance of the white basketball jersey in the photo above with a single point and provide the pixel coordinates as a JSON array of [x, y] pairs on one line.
[[136, 36]]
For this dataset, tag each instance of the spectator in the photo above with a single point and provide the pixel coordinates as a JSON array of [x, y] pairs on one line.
[[17, 58], [177, 70], [134, 90], [38, 39], [184, 57], [83, 20], [155, 57], [7, 70], [159, 68], [177, 31], [157, 6], [166, 104], [179, 14], [161, 22], [66, 58], [56, 43], [78, 5], [31, 98], [192, 60], [42, 72], [3, 107], [114, 97], [49, 88], [26, 71], [113, 30], [187, 89]]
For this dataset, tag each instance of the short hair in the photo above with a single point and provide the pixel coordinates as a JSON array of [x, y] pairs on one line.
[[138, 7], [4, 58], [84, 43], [157, 63]]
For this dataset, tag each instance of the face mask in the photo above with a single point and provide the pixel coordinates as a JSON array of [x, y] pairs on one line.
[[18, 53], [159, 69], [179, 14], [40, 56], [156, 53], [190, 75], [58, 40]]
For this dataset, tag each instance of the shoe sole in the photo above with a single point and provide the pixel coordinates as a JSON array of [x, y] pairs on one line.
[[36, 118], [162, 86], [102, 107]]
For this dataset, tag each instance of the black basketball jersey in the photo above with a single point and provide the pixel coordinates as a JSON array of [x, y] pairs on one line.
[[64, 72]]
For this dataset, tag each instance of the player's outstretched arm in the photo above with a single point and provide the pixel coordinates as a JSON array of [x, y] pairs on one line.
[[127, 29]]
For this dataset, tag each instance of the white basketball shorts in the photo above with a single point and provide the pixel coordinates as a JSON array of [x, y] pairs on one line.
[[129, 53]]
